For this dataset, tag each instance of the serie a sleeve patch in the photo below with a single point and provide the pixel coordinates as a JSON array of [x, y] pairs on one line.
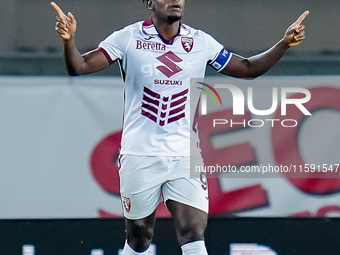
[[221, 60]]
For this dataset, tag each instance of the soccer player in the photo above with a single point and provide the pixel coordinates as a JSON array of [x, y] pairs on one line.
[[157, 58]]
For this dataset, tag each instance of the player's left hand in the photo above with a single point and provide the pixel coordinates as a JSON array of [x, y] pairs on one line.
[[295, 34], [66, 24]]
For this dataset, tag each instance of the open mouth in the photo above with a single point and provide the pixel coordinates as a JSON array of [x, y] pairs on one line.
[[176, 6]]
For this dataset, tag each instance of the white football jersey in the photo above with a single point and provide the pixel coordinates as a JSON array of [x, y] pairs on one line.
[[157, 76]]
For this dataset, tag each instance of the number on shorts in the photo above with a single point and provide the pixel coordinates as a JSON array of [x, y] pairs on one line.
[[203, 178]]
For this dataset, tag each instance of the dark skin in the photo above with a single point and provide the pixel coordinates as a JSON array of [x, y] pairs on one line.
[[240, 67], [190, 223]]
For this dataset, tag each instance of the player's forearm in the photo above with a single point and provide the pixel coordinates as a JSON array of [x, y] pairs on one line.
[[262, 63], [74, 61]]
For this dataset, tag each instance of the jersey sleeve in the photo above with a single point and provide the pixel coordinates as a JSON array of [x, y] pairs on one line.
[[218, 56], [115, 45]]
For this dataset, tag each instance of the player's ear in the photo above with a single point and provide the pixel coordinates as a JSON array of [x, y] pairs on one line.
[[149, 4]]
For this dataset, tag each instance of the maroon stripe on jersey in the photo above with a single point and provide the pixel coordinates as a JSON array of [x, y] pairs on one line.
[[177, 110], [183, 99], [164, 106], [151, 101], [106, 55], [150, 108], [149, 115], [163, 114], [151, 93], [176, 118], [182, 93]]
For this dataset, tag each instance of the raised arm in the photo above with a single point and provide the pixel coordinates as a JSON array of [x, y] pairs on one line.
[[257, 65], [76, 64]]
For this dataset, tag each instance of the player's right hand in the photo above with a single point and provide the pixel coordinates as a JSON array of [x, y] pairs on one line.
[[66, 25], [295, 34]]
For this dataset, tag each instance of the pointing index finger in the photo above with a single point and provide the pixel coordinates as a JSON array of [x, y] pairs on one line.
[[58, 10], [301, 18]]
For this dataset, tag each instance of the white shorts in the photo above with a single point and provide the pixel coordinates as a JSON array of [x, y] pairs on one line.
[[144, 179]]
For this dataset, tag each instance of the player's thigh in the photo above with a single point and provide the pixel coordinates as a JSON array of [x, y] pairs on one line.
[[141, 179], [185, 189]]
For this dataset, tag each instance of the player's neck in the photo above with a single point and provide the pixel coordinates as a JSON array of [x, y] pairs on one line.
[[166, 29]]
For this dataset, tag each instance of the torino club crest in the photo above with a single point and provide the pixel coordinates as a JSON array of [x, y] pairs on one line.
[[126, 203], [187, 43]]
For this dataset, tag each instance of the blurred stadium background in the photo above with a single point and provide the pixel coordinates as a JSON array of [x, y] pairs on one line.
[[245, 27], [59, 135]]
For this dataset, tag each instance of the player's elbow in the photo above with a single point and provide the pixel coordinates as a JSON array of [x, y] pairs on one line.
[[249, 70], [247, 77], [252, 77], [72, 72]]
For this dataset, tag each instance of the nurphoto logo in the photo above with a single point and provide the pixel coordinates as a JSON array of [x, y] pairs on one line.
[[238, 99]]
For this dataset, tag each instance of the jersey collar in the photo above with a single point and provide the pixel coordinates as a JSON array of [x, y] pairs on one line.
[[150, 29]]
